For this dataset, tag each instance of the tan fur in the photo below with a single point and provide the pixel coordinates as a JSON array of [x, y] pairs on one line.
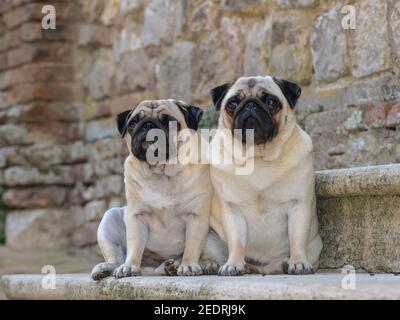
[[168, 209], [268, 217]]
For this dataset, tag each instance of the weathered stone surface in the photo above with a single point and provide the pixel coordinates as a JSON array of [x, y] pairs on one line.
[[135, 72], [394, 19], [174, 72], [94, 35], [34, 197], [95, 210], [328, 43], [99, 129], [370, 51], [100, 77], [109, 186], [12, 134], [364, 134], [128, 39], [258, 49], [22, 176], [383, 88], [290, 56], [296, 3], [218, 58], [258, 7], [359, 218], [163, 21], [281, 287], [128, 6], [204, 17], [35, 228], [85, 235], [111, 10]]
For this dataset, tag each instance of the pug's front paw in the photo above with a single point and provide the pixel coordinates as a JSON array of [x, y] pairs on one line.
[[102, 270], [189, 269], [209, 267], [297, 267], [126, 270], [229, 269]]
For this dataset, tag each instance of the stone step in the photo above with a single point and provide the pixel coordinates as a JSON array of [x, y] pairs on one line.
[[322, 285], [359, 215]]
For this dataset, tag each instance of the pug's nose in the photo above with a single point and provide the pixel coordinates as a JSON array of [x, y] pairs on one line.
[[251, 105]]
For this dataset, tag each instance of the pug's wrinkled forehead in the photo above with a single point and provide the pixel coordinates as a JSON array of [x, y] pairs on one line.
[[251, 86], [153, 108], [187, 115], [287, 92]]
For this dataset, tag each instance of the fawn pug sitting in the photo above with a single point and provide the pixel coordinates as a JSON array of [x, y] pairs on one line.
[[168, 204], [266, 219]]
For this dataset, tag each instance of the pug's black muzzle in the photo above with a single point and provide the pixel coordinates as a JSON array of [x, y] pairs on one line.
[[139, 144], [254, 114]]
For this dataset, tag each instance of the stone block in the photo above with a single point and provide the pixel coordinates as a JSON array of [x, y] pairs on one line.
[[258, 49], [174, 72], [25, 176], [163, 21], [99, 81], [218, 58], [28, 198], [254, 7], [95, 210], [38, 228], [85, 235], [359, 217], [291, 53], [328, 42], [100, 129], [370, 50], [135, 72], [394, 20], [297, 3]]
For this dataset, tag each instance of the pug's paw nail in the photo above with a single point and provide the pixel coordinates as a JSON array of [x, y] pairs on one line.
[[193, 269], [232, 270], [126, 270], [297, 267]]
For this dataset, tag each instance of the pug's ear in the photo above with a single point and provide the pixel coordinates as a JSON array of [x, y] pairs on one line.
[[122, 122], [192, 115], [290, 90], [218, 94]]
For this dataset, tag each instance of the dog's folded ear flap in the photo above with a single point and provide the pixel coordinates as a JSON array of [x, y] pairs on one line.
[[290, 90], [192, 115], [218, 94], [122, 123]]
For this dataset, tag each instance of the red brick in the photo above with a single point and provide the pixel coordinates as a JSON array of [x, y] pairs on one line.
[[40, 73], [53, 131], [393, 115], [34, 197], [41, 91]]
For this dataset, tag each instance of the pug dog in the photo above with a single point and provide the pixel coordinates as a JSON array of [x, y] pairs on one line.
[[168, 203], [266, 221]]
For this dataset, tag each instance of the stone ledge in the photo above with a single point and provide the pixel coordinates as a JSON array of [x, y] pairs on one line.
[[362, 181], [324, 285]]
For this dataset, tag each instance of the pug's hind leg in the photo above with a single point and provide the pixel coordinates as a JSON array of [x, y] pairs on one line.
[[111, 239]]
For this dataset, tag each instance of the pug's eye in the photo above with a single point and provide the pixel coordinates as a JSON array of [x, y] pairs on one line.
[[231, 106], [132, 124], [273, 104]]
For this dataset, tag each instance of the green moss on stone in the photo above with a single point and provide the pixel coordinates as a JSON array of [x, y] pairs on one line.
[[209, 119], [3, 213]]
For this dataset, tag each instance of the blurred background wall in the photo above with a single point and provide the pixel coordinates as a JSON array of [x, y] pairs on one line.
[[60, 153]]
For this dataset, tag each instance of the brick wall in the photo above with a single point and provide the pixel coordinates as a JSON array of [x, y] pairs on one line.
[[60, 154]]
